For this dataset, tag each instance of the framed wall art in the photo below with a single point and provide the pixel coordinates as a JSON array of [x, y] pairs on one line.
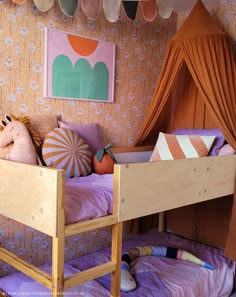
[[77, 67]]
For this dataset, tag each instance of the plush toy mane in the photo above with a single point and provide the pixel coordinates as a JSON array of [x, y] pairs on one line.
[[26, 121], [22, 138]]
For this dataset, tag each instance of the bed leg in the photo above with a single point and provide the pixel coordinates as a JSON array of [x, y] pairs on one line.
[[57, 266], [58, 243], [161, 222], [116, 254]]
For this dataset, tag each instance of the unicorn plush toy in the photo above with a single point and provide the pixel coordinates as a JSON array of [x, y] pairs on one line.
[[16, 132]]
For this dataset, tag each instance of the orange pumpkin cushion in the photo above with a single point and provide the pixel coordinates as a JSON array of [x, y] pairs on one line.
[[106, 166]]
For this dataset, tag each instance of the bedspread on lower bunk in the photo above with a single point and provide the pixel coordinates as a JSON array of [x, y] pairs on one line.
[[88, 197], [155, 276]]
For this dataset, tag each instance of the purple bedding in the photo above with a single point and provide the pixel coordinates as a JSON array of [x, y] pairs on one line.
[[155, 276], [152, 285], [88, 197], [18, 285]]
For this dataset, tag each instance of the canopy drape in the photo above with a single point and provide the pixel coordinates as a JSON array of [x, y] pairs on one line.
[[206, 51]]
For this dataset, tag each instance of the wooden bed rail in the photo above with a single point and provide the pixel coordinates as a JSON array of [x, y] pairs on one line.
[[132, 149], [132, 154], [153, 187], [46, 279], [89, 225], [90, 274], [40, 276], [31, 195]]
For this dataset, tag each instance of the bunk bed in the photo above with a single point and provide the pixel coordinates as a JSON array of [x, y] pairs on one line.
[[151, 186]]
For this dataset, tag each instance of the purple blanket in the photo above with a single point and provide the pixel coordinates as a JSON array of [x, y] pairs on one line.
[[148, 283], [160, 276], [19, 285], [88, 197], [155, 276]]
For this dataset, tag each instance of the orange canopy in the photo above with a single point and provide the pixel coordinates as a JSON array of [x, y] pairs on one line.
[[205, 50]]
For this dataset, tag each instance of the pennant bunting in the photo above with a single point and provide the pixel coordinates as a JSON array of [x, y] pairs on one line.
[[130, 8], [165, 8], [91, 8], [149, 9], [112, 9], [69, 7], [43, 5]]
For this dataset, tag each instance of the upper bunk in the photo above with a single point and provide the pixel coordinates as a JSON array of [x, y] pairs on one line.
[[35, 195]]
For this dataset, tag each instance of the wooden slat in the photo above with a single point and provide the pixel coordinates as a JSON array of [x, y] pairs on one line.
[[33, 187], [58, 244], [57, 266], [116, 253], [153, 187], [89, 225], [116, 247], [161, 221], [129, 149], [90, 274], [32, 271]]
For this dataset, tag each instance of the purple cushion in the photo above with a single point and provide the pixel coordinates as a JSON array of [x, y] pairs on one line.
[[226, 150], [89, 132], [219, 140]]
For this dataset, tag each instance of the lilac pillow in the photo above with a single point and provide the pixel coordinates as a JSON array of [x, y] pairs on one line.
[[219, 137], [227, 150], [89, 132]]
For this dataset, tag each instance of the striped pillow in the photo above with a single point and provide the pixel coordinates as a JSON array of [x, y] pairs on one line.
[[64, 149], [172, 147]]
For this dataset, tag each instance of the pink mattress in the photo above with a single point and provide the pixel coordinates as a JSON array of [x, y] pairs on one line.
[[155, 276], [88, 197]]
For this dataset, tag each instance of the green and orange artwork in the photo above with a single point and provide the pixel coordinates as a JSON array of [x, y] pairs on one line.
[[78, 67]]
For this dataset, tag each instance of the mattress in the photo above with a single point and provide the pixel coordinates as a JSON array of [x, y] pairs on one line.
[[155, 276], [88, 197]]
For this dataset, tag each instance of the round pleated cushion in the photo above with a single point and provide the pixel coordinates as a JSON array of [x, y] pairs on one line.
[[64, 149]]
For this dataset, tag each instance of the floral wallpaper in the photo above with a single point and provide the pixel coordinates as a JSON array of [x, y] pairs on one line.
[[140, 47]]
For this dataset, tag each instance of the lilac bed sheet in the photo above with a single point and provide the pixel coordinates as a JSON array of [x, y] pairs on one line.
[[182, 278], [155, 276], [88, 197], [18, 285]]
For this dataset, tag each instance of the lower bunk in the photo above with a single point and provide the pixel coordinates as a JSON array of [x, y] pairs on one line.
[[154, 275]]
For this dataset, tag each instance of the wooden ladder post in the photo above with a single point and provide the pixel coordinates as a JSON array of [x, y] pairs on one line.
[[161, 221], [58, 266], [58, 241], [116, 253]]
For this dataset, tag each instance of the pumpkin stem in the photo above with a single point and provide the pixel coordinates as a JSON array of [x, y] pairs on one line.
[[100, 154]]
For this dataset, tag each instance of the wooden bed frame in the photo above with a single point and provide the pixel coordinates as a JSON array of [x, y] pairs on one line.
[[34, 196]]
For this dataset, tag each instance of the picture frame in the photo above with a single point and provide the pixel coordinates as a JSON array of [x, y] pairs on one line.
[[78, 67]]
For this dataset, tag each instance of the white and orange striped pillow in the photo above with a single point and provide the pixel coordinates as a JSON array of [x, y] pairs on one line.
[[64, 149], [172, 147]]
